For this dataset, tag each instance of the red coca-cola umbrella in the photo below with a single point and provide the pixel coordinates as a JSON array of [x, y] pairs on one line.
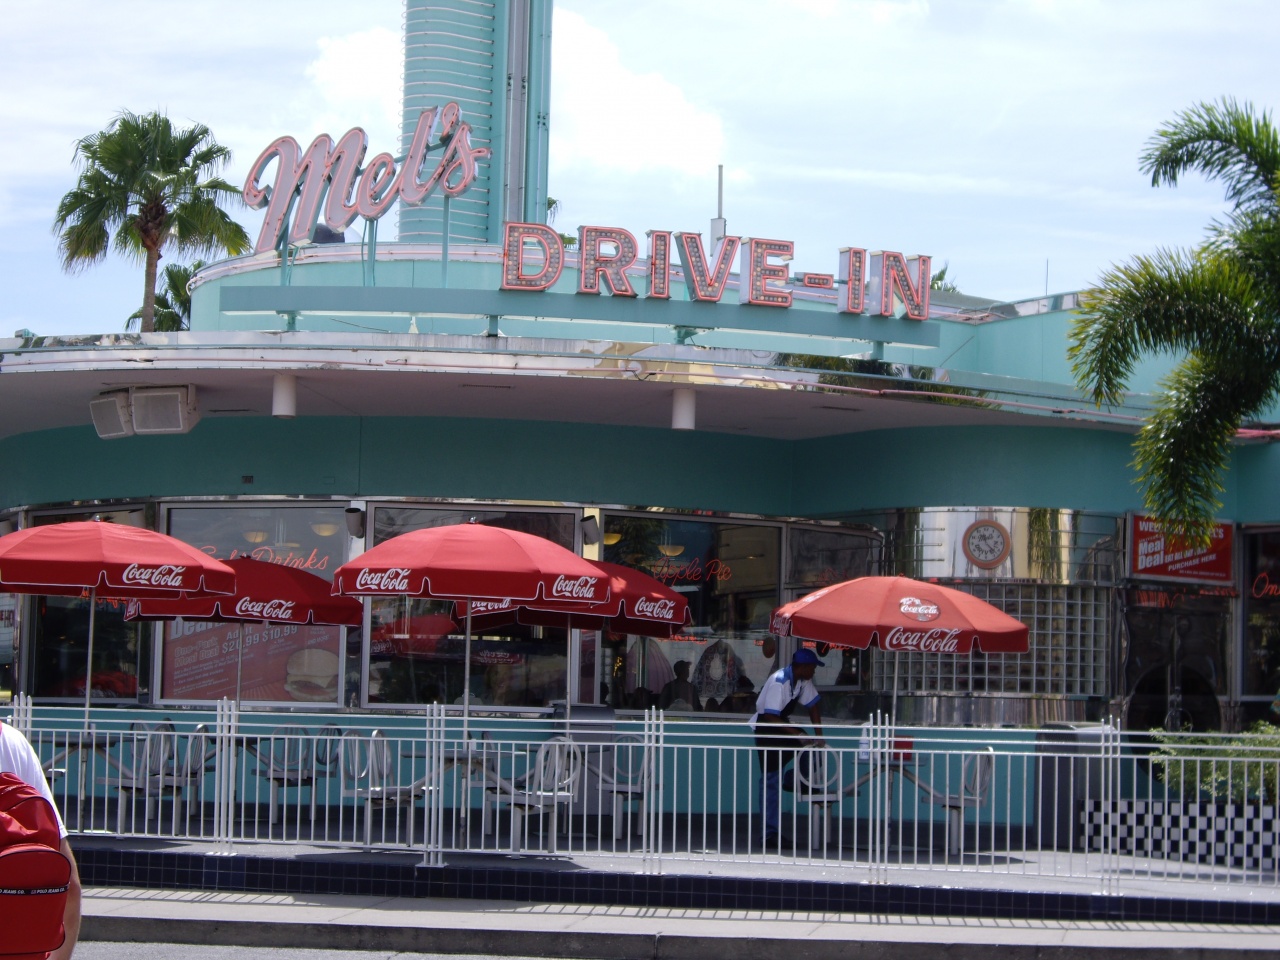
[[265, 593], [270, 592], [638, 604], [473, 561], [107, 561], [900, 614]]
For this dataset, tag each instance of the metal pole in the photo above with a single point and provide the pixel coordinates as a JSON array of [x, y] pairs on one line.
[[444, 247], [466, 679], [88, 667]]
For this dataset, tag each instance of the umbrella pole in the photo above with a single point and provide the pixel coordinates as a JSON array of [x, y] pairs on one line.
[[240, 661], [570, 670], [88, 667], [893, 710], [466, 677]]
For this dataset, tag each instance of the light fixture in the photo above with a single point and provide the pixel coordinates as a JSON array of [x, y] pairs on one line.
[[666, 547], [590, 530], [683, 408], [355, 521], [612, 537], [284, 396], [324, 528], [255, 536]]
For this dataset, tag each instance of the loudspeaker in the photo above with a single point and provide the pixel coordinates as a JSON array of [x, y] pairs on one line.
[[355, 521], [112, 416], [164, 409]]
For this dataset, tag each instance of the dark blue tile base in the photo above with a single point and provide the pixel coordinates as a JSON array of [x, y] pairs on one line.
[[105, 867]]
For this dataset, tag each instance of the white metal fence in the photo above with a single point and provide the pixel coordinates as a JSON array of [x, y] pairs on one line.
[[1083, 803]]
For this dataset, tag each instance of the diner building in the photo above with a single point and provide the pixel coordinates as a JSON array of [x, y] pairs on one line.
[[679, 398]]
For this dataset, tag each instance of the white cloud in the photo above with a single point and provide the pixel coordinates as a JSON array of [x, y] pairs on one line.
[[606, 115], [357, 81]]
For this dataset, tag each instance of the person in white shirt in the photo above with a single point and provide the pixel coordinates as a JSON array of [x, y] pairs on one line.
[[777, 739], [19, 758]]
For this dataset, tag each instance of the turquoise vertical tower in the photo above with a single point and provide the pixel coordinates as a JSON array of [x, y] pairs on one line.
[[494, 60]]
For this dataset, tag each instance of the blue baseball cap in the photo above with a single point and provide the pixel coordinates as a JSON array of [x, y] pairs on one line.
[[805, 655]]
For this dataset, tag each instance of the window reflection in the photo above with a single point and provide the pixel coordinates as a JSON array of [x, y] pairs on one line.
[[60, 638], [728, 572], [259, 663], [417, 650]]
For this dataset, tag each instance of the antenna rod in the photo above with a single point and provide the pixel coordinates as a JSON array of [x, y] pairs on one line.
[[718, 224]]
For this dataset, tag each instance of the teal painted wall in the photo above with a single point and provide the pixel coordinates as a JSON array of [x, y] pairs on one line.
[[514, 460], [960, 466], [488, 459], [570, 462]]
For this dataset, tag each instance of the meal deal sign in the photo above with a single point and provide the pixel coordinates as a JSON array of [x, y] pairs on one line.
[[1153, 556]]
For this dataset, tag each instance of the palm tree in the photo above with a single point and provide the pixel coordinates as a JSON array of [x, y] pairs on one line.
[[940, 282], [1218, 305], [145, 186], [553, 207], [173, 303]]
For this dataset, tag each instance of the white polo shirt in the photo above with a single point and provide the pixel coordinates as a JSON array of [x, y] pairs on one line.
[[779, 690], [17, 756]]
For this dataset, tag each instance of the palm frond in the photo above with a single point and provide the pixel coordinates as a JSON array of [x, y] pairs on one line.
[[1182, 452], [1172, 301], [1224, 141]]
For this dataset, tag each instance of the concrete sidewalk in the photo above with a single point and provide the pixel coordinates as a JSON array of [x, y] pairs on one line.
[[623, 933]]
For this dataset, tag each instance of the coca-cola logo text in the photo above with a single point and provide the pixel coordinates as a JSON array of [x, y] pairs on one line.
[[918, 609], [936, 640], [577, 588], [391, 580], [478, 607], [166, 575], [265, 609], [655, 609]]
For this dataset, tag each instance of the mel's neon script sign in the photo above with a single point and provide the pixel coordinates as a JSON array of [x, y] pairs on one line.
[[533, 259], [335, 176]]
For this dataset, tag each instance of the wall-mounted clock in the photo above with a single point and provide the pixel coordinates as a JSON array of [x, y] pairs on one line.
[[986, 544]]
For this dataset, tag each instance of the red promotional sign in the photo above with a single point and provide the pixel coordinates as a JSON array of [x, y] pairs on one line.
[[1153, 556], [282, 661]]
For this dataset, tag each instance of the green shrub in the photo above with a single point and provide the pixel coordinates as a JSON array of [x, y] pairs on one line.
[[1245, 767]]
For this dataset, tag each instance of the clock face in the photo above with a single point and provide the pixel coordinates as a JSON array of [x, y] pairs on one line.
[[986, 544]]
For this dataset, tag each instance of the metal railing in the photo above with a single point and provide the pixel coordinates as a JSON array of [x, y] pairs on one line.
[[1090, 804]]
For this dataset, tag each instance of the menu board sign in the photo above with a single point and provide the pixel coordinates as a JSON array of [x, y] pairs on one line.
[[1153, 556], [281, 662]]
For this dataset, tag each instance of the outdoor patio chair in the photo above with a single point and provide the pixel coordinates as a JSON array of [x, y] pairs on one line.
[[287, 762], [817, 783], [147, 771], [550, 786], [186, 773], [974, 786], [624, 771], [371, 777]]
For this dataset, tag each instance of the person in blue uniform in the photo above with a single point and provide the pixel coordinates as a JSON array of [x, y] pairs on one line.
[[777, 738]]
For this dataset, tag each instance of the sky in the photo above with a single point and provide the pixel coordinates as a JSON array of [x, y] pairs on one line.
[[1000, 137]]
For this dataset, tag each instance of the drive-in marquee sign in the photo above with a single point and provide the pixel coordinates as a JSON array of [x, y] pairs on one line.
[[333, 180], [335, 176], [868, 283]]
